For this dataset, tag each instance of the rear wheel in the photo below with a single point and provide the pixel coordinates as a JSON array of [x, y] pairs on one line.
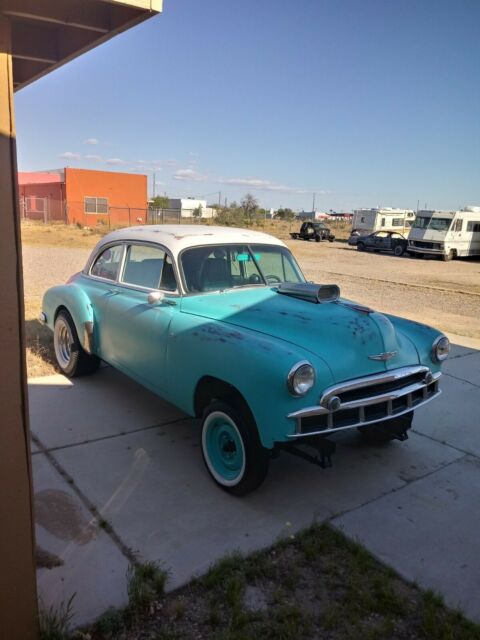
[[360, 246], [399, 250], [232, 451], [71, 358]]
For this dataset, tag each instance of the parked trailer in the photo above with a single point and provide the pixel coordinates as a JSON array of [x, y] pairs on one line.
[[446, 234], [367, 221]]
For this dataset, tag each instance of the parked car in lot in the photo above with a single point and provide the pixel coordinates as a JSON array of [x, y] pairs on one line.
[[222, 323], [383, 241], [313, 231]]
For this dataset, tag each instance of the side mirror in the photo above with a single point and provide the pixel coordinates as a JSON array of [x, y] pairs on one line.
[[155, 296]]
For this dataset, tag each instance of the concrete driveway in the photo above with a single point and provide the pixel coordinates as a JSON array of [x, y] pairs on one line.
[[118, 474]]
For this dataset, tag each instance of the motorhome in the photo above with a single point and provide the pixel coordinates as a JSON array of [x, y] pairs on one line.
[[366, 221], [447, 234]]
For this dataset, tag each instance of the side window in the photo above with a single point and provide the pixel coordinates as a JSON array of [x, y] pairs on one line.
[[474, 226], [458, 225], [108, 263], [149, 267], [383, 222]]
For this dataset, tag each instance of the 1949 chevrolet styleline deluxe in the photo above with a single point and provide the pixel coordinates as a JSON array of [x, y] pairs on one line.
[[222, 323]]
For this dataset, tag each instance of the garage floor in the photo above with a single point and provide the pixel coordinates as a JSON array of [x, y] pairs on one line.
[[118, 474]]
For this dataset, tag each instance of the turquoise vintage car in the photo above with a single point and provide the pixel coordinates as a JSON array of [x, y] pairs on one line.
[[222, 323]]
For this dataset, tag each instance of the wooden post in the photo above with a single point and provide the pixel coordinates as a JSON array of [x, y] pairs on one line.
[[18, 599]]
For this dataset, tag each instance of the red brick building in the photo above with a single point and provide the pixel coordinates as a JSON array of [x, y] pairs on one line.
[[84, 196]]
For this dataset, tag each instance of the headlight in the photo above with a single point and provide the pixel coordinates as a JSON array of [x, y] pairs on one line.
[[440, 349], [301, 378]]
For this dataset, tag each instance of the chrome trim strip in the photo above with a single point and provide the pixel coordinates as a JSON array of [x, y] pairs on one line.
[[368, 381], [42, 318], [328, 430], [383, 357]]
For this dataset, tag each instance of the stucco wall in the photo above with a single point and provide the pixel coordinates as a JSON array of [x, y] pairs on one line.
[[126, 194]]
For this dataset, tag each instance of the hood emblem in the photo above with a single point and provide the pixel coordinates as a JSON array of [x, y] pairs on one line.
[[388, 355]]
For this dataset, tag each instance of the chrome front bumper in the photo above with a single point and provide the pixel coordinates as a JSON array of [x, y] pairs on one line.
[[433, 252], [367, 400]]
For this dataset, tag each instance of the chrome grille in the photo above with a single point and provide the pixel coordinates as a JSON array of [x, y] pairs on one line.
[[368, 400]]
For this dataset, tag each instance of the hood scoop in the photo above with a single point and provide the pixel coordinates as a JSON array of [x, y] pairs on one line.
[[316, 293]]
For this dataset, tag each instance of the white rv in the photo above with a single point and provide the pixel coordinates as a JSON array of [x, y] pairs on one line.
[[366, 221], [447, 234]]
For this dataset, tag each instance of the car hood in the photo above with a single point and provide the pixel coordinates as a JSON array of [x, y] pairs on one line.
[[342, 335]]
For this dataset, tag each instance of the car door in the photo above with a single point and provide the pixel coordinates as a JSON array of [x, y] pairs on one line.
[[100, 284], [139, 328]]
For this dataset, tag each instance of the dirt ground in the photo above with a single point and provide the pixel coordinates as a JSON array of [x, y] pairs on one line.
[[443, 294]]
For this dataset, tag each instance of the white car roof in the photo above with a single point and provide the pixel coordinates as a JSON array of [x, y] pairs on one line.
[[177, 237]]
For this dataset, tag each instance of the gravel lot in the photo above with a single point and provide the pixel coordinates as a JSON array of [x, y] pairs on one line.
[[444, 294]]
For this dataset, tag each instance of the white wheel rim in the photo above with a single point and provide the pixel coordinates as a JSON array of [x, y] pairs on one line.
[[63, 340], [210, 420]]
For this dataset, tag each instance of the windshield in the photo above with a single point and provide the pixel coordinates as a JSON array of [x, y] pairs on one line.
[[428, 222], [219, 267]]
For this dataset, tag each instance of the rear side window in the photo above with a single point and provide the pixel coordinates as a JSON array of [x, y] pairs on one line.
[[108, 262], [149, 267]]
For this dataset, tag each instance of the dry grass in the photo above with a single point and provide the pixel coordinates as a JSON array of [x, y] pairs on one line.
[[316, 584], [60, 235]]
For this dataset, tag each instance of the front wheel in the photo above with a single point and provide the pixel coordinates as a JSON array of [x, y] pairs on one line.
[[448, 256], [399, 250], [232, 451], [71, 358], [360, 246]]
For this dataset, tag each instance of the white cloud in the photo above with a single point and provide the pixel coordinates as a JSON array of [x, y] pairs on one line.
[[69, 155], [91, 141], [115, 161], [263, 185], [189, 175], [94, 157]]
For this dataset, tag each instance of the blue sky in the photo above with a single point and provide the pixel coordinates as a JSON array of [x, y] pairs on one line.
[[364, 102]]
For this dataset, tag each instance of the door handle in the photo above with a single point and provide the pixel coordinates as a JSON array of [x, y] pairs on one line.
[[112, 292]]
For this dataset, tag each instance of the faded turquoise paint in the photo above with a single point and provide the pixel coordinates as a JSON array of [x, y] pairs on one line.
[[76, 301], [249, 338]]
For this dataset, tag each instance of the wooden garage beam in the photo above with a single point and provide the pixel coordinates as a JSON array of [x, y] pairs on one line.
[[18, 598], [82, 14]]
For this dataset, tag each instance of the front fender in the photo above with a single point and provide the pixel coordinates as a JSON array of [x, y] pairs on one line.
[[257, 365], [422, 337], [77, 303]]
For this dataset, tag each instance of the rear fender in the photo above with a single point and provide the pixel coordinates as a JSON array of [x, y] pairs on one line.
[[77, 303]]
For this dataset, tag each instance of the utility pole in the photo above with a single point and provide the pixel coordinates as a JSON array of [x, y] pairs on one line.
[[313, 204], [154, 181], [219, 198]]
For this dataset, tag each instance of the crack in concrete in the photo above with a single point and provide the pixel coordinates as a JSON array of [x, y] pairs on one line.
[[102, 523], [395, 489], [113, 435], [450, 375], [446, 444], [463, 355]]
